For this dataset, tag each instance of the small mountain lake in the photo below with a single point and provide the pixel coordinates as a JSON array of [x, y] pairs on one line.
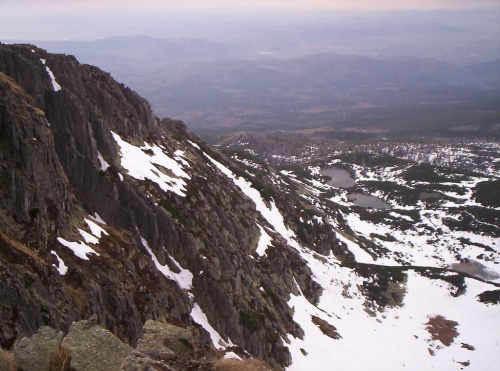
[[368, 201], [340, 178]]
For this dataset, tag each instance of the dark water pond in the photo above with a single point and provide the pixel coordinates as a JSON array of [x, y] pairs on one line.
[[368, 201], [340, 178]]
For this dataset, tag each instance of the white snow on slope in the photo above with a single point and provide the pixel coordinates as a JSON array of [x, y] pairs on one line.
[[399, 341], [96, 217], [79, 248], [360, 255], [200, 318], [96, 232], [184, 278], [62, 268], [271, 214], [55, 85], [395, 339], [102, 161], [89, 238], [142, 165], [194, 144], [264, 242], [96, 229]]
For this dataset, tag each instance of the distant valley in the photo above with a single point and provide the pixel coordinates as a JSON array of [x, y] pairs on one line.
[[323, 76], [322, 96]]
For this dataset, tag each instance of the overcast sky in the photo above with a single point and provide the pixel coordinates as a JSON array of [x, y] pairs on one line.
[[29, 7], [93, 19]]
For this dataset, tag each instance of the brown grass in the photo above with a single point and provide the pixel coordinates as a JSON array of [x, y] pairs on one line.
[[79, 296], [7, 360], [231, 364], [21, 248], [442, 329], [60, 360]]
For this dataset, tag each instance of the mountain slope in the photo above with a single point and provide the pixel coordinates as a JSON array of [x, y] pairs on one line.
[[120, 214]]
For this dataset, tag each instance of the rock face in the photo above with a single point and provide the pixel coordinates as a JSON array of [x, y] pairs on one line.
[[83, 231]]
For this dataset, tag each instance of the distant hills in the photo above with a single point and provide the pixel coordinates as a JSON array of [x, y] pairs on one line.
[[325, 90], [216, 91]]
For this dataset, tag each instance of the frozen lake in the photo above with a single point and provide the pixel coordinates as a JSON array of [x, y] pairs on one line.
[[368, 201], [339, 178]]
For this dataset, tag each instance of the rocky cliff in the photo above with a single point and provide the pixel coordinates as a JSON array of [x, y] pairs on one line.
[[174, 236]]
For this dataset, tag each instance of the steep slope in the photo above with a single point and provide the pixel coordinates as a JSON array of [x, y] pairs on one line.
[[171, 217], [108, 210]]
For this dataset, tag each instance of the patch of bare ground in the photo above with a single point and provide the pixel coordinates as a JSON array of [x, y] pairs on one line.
[[7, 361], [326, 328], [442, 329], [231, 364]]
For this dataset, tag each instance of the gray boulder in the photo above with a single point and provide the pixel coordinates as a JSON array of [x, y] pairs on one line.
[[39, 351], [94, 348]]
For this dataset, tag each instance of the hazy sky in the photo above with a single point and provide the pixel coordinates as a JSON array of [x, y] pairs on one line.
[[94, 19], [32, 7]]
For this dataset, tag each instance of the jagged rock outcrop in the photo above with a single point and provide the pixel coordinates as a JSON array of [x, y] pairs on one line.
[[36, 205], [87, 346]]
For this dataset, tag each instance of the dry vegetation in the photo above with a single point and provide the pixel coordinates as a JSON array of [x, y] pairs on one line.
[[79, 296], [442, 329], [15, 244], [231, 364], [60, 359], [7, 361]]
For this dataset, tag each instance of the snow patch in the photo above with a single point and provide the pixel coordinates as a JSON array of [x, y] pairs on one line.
[[194, 144], [98, 218], [142, 163], [264, 242], [89, 238], [79, 248], [199, 317], [184, 279], [62, 268], [55, 85], [271, 214], [232, 355], [96, 230], [102, 161]]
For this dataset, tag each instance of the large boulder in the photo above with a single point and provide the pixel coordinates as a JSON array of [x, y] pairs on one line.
[[94, 348], [178, 339], [39, 351]]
